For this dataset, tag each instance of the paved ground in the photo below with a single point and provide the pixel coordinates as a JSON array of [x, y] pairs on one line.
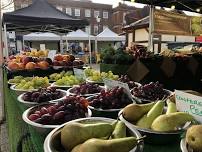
[[4, 146]]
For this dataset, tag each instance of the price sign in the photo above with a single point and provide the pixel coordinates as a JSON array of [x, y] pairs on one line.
[[79, 73], [42, 47], [51, 54], [112, 83], [189, 103]]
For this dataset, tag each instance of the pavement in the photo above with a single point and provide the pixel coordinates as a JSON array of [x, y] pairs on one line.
[[4, 144]]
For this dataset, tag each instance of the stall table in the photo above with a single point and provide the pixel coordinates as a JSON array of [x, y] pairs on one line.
[[23, 138]]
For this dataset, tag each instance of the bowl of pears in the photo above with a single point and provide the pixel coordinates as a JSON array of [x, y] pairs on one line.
[[85, 135], [160, 123]]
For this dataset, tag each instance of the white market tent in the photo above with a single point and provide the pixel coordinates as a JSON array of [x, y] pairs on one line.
[[41, 37], [108, 35], [78, 35]]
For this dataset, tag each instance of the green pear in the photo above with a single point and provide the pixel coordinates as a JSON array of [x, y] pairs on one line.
[[171, 122], [74, 133], [119, 131], [112, 145], [134, 112], [194, 137], [147, 120], [171, 107]]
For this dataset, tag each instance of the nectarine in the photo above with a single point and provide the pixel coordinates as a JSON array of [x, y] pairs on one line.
[[30, 65], [43, 64], [13, 66]]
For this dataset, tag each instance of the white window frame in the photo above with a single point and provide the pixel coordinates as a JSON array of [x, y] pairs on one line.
[[96, 14], [95, 29], [59, 8], [105, 14], [88, 29], [24, 5], [77, 12], [69, 11], [87, 13]]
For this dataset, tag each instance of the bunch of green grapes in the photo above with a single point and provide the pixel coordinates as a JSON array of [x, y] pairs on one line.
[[18, 79], [98, 77], [57, 76], [68, 81], [88, 72], [34, 83]]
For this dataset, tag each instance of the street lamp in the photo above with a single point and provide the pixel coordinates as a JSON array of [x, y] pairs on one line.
[[98, 19]]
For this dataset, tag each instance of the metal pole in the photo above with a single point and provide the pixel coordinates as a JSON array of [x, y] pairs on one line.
[[89, 46], [1, 48], [6, 41], [151, 29]]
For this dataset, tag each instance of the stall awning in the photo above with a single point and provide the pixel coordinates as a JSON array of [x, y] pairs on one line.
[[78, 35], [41, 37], [108, 35], [41, 16]]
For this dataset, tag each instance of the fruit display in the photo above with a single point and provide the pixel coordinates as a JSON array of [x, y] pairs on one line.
[[115, 98], [34, 83], [35, 53], [70, 108], [18, 79], [86, 88], [66, 61], [153, 116], [96, 76], [193, 138], [126, 79], [23, 62], [89, 138], [57, 76], [43, 95], [68, 81], [152, 91]]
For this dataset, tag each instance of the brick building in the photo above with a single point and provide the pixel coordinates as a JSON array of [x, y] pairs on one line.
[[83, 9], [118, 16]]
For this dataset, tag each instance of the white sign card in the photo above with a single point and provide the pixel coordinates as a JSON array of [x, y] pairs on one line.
[[112, 83], [79, 73], [43, 47], [51, 54], [189, 103]]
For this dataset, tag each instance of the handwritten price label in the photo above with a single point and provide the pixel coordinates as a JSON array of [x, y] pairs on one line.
[[189, 103], [79, 73], [51, 54]]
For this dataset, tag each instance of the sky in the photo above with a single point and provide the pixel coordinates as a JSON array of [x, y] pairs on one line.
[[115, 2]]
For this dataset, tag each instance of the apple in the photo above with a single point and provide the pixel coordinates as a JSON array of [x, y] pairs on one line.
[[43, 64], [27, 59], [30, 66], [66, 57], [13, 66], [58, 57]]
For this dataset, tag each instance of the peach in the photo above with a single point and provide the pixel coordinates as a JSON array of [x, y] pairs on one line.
[[13, 66], [30, 65], [43, 64]]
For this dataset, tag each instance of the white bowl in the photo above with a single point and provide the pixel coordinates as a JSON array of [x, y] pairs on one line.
[[49, 148], [40, 127], [30, 104], [20, 91], [142, 100], [60, 86]]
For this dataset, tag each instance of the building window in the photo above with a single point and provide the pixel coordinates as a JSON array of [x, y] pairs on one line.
[[77, 12], [24, 5], [96, 14], [95, 29], [88, 29], [104, 27], [87, 13], [59, 8], [105, 15], [69, 11]]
